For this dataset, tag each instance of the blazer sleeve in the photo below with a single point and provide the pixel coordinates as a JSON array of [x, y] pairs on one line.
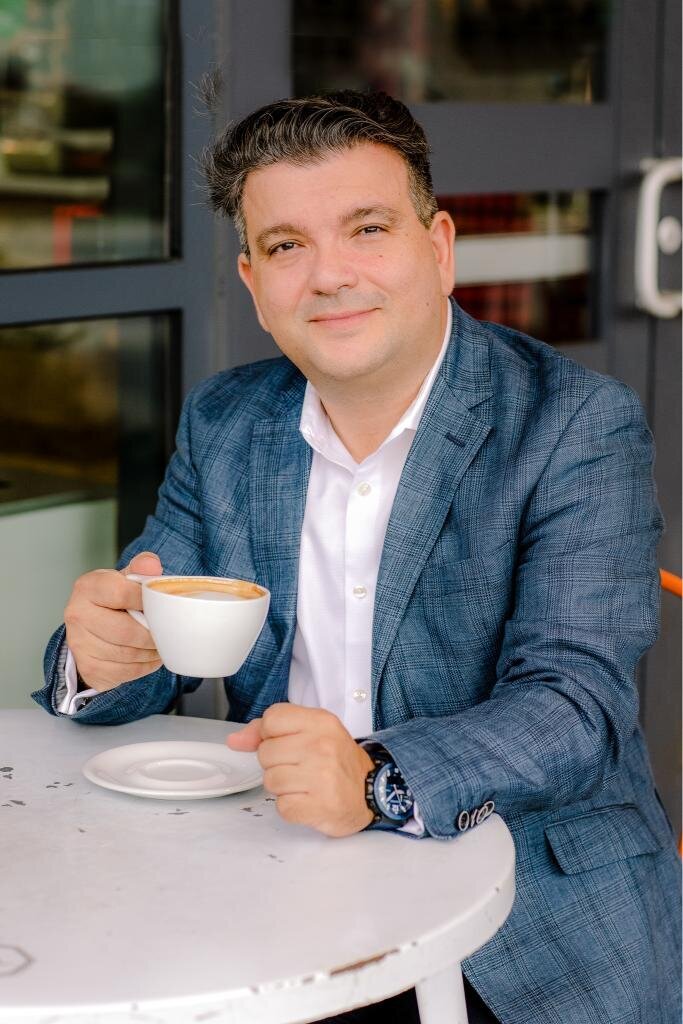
[[174, 533], [586, 607]]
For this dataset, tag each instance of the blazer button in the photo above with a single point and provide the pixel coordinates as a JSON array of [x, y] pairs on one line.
[[463, 821], [485, 811]]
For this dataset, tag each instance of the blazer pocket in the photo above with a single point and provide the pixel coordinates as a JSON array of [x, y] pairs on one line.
[[477, 574], [600, 837]]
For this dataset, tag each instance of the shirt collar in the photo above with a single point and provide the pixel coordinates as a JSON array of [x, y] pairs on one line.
[[318, 432]]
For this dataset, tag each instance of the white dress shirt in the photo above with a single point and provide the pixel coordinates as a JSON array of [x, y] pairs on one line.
[[348, 504]]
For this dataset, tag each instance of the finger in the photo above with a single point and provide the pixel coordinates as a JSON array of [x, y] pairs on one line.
[[118, 628], [104, 675], [289, 719], [114, 627], [295, 808], [247, 739], [284, 779], [109, 589], [282, 750], [80, 641], [146, 563]]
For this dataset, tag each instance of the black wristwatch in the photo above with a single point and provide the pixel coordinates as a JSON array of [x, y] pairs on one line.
[[387, 793]]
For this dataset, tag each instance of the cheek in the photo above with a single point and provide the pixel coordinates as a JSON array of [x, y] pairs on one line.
[[279, 293], [278, 301], [401, 273]]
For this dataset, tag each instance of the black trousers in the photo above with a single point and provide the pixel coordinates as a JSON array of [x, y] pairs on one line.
[[402, 1009]]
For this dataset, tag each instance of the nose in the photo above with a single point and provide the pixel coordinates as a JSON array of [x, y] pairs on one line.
[[331, 270]]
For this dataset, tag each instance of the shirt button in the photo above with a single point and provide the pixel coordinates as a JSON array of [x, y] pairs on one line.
[[363, 489], [359, 592], [360, 696]]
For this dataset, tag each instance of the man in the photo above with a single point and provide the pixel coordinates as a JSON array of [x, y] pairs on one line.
[[458, 528]]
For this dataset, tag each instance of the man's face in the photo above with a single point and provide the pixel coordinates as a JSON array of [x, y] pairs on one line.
[[343, 274]]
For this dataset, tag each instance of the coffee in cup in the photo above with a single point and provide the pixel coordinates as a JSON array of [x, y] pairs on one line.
[[207, 588], [202, 625]]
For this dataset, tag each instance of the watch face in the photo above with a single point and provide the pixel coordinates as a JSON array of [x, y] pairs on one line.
[[392, 794]]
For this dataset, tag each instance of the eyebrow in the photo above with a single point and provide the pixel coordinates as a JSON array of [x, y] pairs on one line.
[[264, 236], [386, 213]]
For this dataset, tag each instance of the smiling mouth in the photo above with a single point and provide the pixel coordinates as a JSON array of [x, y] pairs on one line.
[[342, 318]]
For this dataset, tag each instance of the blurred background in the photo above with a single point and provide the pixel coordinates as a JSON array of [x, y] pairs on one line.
[[555, 130]]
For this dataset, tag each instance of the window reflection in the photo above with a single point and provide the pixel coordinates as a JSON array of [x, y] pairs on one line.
[[525, 260], [82, 131], [469, 50], [87, 410]]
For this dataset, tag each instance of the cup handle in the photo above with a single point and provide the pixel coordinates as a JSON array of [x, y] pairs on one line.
[[138, 616], [134, 614]]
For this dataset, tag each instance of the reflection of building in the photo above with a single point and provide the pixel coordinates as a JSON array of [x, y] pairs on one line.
[[465, 50], [82, 128], [117, 290], [523, 261]]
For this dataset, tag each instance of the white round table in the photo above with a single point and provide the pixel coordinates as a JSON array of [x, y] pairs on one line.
[[115, 908]]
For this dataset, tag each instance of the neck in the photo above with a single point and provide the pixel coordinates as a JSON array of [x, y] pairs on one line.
[[363, 423], [363, 413]]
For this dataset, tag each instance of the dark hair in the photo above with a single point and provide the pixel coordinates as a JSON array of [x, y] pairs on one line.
[[302, 131]]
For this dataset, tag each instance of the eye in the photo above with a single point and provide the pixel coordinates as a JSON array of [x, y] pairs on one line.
[[282, 247], [371, 229]]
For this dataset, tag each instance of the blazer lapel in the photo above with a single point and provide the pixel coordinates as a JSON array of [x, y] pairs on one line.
[[279, 466], [447, 439]]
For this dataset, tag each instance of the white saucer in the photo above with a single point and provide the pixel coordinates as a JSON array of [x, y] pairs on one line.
[[172, 770]]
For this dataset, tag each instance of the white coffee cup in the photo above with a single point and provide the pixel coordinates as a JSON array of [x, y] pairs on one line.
[[202, 625]]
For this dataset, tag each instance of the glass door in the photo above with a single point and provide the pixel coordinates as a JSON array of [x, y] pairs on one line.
[[106, 267]]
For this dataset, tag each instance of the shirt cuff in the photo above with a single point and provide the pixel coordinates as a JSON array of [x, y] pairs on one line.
[[69, 700], [414, 826]]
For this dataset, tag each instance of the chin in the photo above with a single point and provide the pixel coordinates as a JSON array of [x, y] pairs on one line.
[[354, 367], [344, 373]]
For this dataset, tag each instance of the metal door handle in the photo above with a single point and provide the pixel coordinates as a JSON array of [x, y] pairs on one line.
[[651, 236]]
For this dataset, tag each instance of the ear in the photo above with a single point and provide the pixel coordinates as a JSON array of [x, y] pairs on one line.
[[442, 234], [246, 272]]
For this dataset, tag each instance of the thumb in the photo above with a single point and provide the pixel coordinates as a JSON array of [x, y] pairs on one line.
[[146, 563], [248, 738]]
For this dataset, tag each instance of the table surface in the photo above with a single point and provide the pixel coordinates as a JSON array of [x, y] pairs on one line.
[[118, 908]]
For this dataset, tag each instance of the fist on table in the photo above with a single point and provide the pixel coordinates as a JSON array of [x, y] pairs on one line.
[[313, 765]]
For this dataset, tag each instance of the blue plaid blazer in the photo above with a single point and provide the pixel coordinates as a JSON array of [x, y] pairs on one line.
[[518, 588]]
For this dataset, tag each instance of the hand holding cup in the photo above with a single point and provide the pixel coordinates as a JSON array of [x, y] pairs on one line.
[[108, 646]]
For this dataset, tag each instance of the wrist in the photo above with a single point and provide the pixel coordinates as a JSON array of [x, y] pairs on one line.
[[366, 765]]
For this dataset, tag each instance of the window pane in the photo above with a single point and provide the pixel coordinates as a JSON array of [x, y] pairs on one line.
[[83, 175], [469, 50], [525, 261], [87, 411]]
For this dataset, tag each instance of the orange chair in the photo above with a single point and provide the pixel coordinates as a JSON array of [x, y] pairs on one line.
[[674, 584]]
